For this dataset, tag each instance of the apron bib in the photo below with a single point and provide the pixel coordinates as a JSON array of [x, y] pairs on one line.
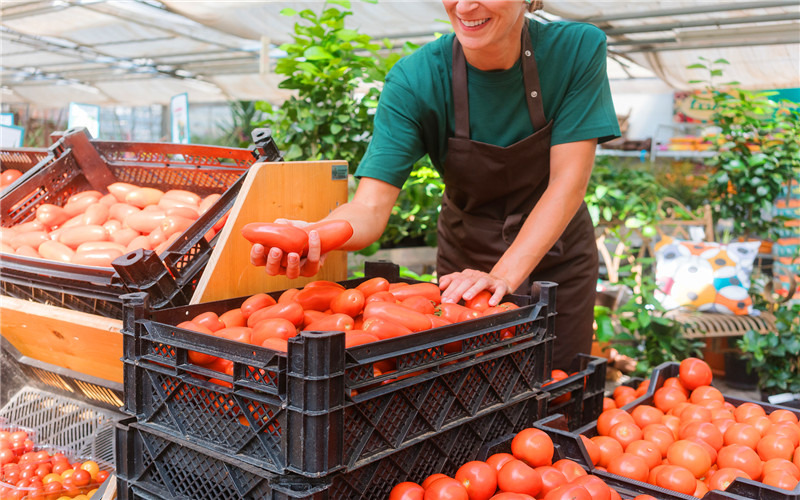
[[490, 191]]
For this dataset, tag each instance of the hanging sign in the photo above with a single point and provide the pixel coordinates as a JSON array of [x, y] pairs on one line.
[[84, 115], [6, 118], [11, 136], [179, 118]]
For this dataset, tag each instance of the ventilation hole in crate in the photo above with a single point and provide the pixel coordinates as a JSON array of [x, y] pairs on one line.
[[264, 378], [437, 401], [357, 429], [472, 390], [359, 373]]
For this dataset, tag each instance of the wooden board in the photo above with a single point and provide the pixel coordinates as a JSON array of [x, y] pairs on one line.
[[77, 341], [307, 190]]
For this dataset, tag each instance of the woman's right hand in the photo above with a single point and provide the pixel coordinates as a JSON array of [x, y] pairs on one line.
[[292, 265]]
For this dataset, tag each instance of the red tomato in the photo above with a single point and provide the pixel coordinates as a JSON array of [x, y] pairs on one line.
[[780, 479], [666, 398], [433, 477], [445, 488], [332, 233], [210, 320], [385, 329], [317, 298], [358, 337], [775, 446], [420, 304], [497, 460], [570, 469], [195, 357], [500, 308], [275, 344], [9, 176], [291, 311], [331, 322], [518, 477], [722, 478], [609, 449], [287, 295], [349, 302], [480, 302], [741, 433], [455, 312], [630, 466], [407, 491], [625, 432], [430, 291], [676, 478], [597, 488], [373, 285], [645, 415], [81, 477], [233, 317], [398, 314], [385, 296], [694, 372], [593, 450], [102, 476], [238, 333], [647, 450], [610, 418], [255, 303], [288, 238], [144, 196], [479, 479], [272, 328], [569, 492]]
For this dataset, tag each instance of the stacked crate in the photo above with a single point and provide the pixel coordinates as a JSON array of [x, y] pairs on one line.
[[317, 422]]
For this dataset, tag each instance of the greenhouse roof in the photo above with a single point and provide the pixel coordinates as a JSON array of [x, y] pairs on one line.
[[146, 51]]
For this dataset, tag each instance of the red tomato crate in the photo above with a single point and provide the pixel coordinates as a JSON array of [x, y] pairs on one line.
[[321, 409], [572, 447], [75, 163], [156, 465], [579, 397], [23, 159]]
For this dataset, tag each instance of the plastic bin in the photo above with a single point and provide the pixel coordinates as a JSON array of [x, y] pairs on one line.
[[572, 447], [76, 164], [580, 396], [23, 159], [321, 409], [157, 465]]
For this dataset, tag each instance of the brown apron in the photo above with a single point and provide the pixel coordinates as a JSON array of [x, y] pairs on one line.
[[490, 190]]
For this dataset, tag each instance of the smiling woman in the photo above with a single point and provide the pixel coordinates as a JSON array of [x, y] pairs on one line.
[[509, 111]]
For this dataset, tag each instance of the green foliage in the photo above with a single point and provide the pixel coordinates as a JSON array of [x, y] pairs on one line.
[[416, 212], [775, 356], [757, 152], [326, 64], [623, 193], [244, 116]]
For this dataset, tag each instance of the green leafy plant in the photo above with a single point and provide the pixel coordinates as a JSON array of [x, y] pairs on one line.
[[775, 356], [415, 215], [757, 152]]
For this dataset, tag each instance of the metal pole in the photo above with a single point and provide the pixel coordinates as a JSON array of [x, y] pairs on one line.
[[704, 9]]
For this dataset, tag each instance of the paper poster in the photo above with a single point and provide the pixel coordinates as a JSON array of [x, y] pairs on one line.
[[11, 136], [6, 118], [84, 115], [179, 118]]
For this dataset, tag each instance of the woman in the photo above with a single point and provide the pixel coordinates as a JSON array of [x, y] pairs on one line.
[[510, 112]]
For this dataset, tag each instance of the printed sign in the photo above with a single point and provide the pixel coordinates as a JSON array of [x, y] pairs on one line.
[[179, 118]]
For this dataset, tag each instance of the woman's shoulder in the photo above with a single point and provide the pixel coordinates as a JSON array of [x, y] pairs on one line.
[[426, 60], [567, 32]]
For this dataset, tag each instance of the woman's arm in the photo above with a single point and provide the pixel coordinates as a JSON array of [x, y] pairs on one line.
[[570, 168], [368, 213]]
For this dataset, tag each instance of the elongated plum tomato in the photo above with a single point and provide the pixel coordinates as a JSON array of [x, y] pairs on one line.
[[332, 233], [288, 238]]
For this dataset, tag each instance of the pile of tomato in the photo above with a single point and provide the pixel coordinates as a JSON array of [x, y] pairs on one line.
[[371, 311], [691, 440], [527, 473], [32, 474], [93, 228]]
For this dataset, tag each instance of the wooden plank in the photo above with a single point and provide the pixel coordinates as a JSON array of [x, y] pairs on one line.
[[307, 190], [77, 341]]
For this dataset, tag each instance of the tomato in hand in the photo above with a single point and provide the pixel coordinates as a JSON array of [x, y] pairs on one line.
[[288, 238], [480, 302], [332, 233]]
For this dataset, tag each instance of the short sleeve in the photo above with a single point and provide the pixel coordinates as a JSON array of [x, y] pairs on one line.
[[396, 142], [587, 111]]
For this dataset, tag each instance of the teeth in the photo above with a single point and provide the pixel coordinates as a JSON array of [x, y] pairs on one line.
[[471, 24]]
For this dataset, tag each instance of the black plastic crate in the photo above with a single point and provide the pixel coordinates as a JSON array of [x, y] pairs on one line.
[[580, 396], [572, 447], [320, 408], [156, 465], [75, 164]]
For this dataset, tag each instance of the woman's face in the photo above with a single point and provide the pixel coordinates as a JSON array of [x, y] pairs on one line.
[[482, 24]]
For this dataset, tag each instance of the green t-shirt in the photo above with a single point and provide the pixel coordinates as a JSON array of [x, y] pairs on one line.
[[415, 111]]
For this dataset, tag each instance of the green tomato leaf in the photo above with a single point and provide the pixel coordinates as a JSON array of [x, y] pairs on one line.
[[316, 54]]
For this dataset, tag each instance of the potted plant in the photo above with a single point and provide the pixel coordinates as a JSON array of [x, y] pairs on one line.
[[757, 154]]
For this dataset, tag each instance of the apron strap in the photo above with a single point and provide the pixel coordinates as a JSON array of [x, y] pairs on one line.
[[530, 74]]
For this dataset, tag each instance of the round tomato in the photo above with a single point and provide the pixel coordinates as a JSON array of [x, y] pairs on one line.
[[722, 478], [479, 479], [706, 431], [741, 433], [646, 450], [518, 477], [645, 415], [740, 457], [570, 469], [610, 418], [625, 432], [596, 487], [692, 456], [667, 398], [747, 410], [609, 449], [591, 449], [349, 302], [445, 488], [676, 478], [498, 460], [694, 372], [780, 479], [775, 446], [433, 477], [780, 464], [630, 466], [534, 447], [569, 491], [407, 491]]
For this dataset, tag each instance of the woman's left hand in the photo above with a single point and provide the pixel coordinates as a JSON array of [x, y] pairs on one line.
[[467, 283]]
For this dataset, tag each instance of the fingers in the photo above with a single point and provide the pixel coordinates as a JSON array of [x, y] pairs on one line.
[[468, 283], [313, 260], [273, 263], [292, 265], [257, 255]]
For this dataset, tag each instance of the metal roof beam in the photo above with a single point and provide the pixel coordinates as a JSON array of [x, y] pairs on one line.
[[701, 22], [713, 45], [702, 9]]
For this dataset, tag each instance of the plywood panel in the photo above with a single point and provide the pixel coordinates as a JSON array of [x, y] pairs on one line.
[[307, 191], [82, 342]]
